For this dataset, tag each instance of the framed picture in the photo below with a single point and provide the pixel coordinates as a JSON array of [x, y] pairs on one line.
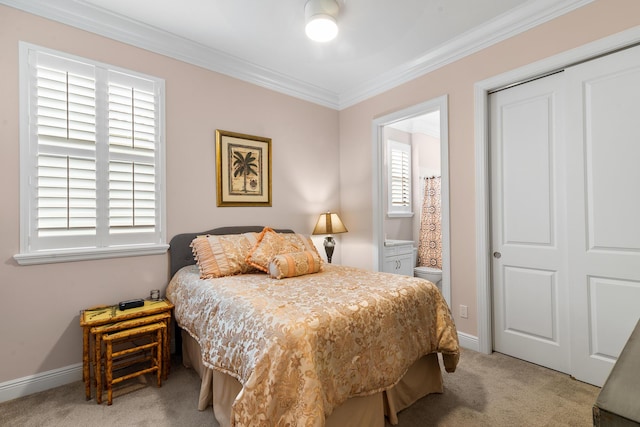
[[243, 164]]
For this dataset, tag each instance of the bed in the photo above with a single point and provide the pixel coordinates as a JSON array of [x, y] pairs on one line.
[[337, 346]]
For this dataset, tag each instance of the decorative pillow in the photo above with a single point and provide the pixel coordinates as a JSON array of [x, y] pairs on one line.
[[294, 264], [223, 255], [269, 244], [303, 242]]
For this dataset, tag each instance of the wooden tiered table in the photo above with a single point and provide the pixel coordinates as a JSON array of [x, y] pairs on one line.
[[99, 320], [136, 354]]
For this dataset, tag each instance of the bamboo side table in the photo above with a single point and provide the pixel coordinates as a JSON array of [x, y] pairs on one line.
[[135, 355], [95, 317]]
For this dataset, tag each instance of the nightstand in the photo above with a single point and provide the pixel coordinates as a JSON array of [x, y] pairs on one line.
[[97, 321]]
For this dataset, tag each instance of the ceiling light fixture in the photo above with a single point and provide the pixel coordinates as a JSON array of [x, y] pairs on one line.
[[320, 17]]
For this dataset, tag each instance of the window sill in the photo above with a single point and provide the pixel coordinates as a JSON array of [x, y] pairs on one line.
[[49, 257], [399, 214]]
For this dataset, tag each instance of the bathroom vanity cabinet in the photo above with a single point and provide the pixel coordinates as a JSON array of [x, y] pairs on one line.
[[398, 257]]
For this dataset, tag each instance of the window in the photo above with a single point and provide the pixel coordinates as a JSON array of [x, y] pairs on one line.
[[91, 153], [399, 179]]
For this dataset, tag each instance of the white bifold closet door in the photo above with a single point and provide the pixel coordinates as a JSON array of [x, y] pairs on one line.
[[565, 185], [603, 200], [530, 301]]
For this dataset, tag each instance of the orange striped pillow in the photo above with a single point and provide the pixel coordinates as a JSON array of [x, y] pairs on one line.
[[223, 255], [294, 264]]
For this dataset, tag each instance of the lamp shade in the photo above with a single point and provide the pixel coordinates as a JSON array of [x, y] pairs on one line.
[[320, 18], [329, 223]]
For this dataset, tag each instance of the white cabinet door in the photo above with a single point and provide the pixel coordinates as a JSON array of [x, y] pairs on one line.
[[390, 264], [399, 264], [405, 265], [399, 259]]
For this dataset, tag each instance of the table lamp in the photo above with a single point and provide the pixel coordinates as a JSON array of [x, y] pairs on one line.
[[329, 223]]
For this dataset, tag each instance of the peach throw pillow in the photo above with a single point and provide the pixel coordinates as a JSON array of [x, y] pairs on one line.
[[294, 264], [304, 242], [269, 244]]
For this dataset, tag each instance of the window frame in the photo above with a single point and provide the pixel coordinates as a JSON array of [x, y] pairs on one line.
[[398, 211], [109, 248]]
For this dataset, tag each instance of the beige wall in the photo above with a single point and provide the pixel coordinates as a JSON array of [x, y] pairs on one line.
[[39, 305], [589, 23]]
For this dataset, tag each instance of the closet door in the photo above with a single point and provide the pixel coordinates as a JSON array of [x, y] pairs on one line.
[[530, 310], [603, 139]]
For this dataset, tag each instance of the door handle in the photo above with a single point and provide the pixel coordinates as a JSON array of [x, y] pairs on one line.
[[497, 255]]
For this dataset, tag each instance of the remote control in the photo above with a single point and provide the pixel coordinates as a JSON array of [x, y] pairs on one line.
[[132, 303]]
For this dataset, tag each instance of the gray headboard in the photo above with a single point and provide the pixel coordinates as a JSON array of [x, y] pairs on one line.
[[180, 251]]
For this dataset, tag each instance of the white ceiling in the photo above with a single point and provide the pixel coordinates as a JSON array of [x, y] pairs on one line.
[[427, 124], [381, 43]]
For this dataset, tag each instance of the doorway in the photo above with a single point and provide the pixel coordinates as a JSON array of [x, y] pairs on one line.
[[401, 121]]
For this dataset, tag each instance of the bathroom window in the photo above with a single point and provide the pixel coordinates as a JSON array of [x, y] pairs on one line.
[[92, 165], [399, 179]]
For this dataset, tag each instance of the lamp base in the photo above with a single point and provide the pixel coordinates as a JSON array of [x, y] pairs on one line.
[[329, 245]]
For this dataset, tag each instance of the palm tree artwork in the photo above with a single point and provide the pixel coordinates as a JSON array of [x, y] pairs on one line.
[[246, 166]]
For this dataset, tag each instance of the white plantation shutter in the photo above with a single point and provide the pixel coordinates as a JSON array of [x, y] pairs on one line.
[[66, 197], [400, 189], [64, 114], [91, 159], [132, 152], [399, 173]]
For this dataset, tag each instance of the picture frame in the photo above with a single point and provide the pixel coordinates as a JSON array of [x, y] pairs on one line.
[[243, 166]]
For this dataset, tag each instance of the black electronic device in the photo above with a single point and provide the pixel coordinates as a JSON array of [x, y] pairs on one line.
[[132, 303]]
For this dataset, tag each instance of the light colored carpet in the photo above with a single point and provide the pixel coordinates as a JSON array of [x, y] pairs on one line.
[[486, 390], [498, 390]]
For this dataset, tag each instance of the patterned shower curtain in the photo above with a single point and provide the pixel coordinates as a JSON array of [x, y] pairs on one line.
[[430, 244]]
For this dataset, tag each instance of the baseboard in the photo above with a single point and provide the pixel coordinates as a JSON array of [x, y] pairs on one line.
[[468, 341], [39, 382]]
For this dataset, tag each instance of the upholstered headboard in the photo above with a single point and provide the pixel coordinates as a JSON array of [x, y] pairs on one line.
[[180, 250]]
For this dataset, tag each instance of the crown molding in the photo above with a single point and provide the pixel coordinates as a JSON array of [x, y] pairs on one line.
[[99, 21], [499, 29]]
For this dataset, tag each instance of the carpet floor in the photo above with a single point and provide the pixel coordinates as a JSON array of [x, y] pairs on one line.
[[485, 390]]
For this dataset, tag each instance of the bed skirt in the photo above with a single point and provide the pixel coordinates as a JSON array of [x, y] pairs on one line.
[[220, 390]]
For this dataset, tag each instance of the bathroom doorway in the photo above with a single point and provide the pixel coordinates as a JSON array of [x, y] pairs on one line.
[[423, 128]]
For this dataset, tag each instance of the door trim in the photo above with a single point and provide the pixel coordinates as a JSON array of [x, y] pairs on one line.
[[482, 185], [378, 200]]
